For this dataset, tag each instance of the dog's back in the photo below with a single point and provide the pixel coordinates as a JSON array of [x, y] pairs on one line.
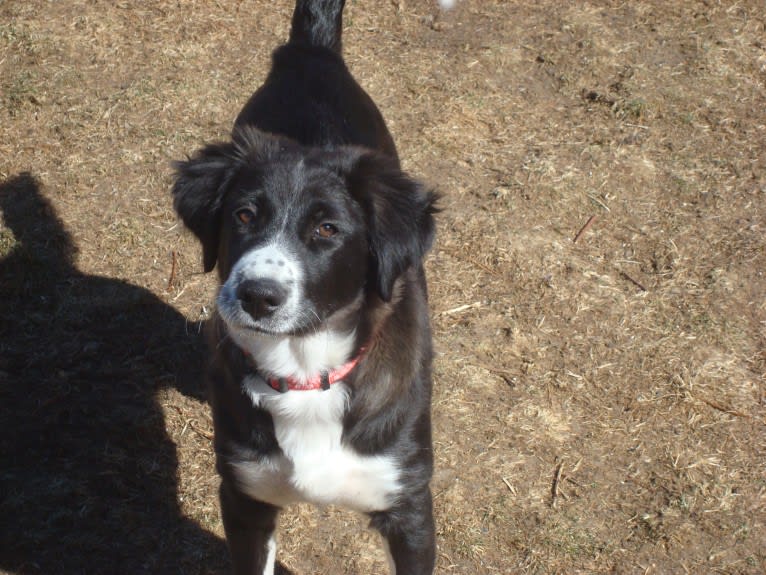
[[309, 95]]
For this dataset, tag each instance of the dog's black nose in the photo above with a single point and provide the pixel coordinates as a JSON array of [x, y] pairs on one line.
[[261, 298]]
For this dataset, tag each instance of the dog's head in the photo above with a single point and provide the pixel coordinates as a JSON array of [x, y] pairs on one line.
[[299, 234]]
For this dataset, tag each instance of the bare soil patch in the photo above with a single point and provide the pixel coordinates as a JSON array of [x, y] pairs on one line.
[[600, 405]]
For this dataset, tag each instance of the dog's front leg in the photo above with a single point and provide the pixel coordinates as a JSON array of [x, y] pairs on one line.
[[249, 526], [409, 531]]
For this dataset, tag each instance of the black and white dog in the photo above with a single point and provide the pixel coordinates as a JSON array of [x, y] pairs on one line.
[[321, 371]]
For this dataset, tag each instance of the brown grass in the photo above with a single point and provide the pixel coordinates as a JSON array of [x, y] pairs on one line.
[[600, 405]]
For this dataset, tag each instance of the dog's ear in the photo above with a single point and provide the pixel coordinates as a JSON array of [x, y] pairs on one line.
[[201, 182], [399, 213]]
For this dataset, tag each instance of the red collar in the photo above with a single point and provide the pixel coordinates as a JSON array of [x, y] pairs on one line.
[[322, 380]]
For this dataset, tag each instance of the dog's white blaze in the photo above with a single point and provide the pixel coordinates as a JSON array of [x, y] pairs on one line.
[[314, 465], [271, 262]]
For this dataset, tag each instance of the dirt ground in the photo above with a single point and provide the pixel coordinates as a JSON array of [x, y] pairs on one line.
[[600, 390]]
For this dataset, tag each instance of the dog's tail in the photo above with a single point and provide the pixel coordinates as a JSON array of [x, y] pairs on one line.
[[318, 23]]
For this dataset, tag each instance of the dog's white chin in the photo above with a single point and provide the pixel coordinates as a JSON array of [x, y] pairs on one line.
[[298, 356], [283, 348]]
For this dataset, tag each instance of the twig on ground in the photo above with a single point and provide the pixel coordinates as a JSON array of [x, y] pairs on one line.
[[460, 308], [510, 487], [556, 481], [720, 407], [172, 278], [636, 283], [584, 229], [201, 432]]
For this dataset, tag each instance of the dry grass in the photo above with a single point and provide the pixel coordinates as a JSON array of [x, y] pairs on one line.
[[600, 405]]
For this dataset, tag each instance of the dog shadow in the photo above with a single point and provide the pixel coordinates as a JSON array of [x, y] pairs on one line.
[[87, 470]]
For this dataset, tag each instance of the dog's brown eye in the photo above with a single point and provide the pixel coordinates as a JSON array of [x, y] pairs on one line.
[[326, 230], [245, 215]]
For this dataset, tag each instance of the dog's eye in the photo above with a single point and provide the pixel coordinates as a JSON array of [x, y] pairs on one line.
[[245, 215], [326, 230]]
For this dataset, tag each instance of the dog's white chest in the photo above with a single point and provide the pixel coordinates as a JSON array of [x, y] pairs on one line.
[[314, 465]]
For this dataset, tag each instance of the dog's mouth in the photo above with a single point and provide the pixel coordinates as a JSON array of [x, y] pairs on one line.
[[292, 321], [280, 323], [257, 330], [238, 320]]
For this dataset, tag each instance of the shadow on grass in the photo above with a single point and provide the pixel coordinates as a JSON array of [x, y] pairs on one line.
[[87, 470]]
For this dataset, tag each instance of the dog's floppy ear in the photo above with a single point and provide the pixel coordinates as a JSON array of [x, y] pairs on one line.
[[399, 213], [201, 182]]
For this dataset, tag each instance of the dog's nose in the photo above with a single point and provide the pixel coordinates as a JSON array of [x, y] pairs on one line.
[[261, 298]]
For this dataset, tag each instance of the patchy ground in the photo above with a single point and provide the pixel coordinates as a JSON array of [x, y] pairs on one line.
[[600, 405]]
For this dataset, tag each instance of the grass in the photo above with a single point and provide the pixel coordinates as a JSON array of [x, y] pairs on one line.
[[634, 358], [20, 90]]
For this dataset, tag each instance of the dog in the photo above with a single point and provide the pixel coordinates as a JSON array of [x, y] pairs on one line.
[[320, 369]]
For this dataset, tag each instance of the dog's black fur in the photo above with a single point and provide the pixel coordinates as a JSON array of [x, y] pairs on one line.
[[311, 159]]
